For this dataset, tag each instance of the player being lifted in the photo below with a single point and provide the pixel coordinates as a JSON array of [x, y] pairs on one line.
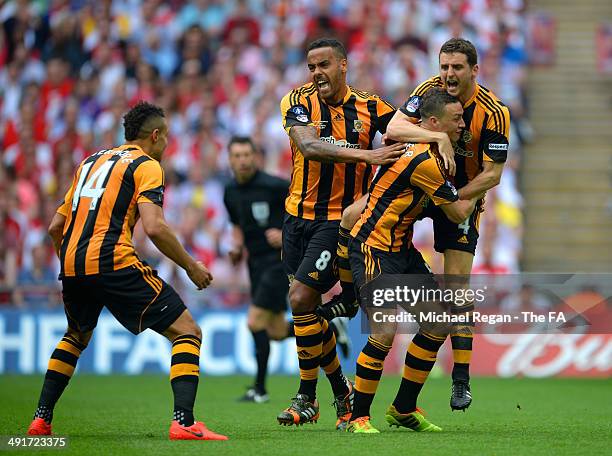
[[92, 234], [332, 127], [382, 244], [480, 155]]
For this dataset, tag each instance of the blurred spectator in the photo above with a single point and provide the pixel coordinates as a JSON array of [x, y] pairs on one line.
[[38, 286], [69, 71]]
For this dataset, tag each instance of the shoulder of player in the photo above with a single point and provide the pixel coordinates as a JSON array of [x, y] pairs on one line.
[[489, 101], [297, 94], [434, 81], [363, 97]]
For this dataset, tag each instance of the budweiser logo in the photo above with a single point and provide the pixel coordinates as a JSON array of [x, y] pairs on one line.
[[545, 355]]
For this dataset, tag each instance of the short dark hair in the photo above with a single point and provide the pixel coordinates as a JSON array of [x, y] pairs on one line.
[[461, 46], [333, 43], [137, 117], [434, 101], [241, 140]]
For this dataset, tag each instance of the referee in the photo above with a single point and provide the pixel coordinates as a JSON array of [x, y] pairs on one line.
[[255, 204]]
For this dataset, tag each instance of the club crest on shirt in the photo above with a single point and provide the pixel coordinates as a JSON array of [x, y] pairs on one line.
[[358, 126]]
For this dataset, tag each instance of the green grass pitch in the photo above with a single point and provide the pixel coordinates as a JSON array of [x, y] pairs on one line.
[[125, 415]]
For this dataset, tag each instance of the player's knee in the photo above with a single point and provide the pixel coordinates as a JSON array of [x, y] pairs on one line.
[[275, 333], [195, 330], [437, 329], [255, 324], [385, 338], [81, 337], [301, 299]]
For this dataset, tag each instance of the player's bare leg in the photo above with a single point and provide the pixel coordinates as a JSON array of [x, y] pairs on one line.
[[186, 338], [458, 266]]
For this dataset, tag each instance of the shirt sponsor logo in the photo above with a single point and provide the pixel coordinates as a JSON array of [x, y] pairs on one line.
[[340, 142], [498, 146], [464, 153]]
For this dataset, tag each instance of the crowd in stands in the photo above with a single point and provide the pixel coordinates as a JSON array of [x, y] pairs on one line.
[[69, 70]]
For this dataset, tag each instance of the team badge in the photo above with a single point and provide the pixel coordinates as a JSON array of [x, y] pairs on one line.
[[358, 126]]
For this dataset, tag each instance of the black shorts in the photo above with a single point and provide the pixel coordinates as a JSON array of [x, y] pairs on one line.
[[135, 295], [367, 263], [455, 236], [309, 251], [269, 284]]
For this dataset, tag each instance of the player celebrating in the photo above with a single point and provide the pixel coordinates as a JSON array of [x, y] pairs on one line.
[[382, 245], [92, 234], [480, 155], [331, 126]]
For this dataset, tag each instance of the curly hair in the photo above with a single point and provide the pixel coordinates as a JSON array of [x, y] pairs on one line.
[[137, 117]]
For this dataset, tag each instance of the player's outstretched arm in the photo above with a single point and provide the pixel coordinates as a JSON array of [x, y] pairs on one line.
[[459, 210], [401, 128], [56, 230], [488, 178], [308, 142], [165, 240]]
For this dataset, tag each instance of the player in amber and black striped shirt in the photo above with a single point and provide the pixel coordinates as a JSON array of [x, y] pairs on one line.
[[479, 154], [332, 128], [92, 233], [382, 244]]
